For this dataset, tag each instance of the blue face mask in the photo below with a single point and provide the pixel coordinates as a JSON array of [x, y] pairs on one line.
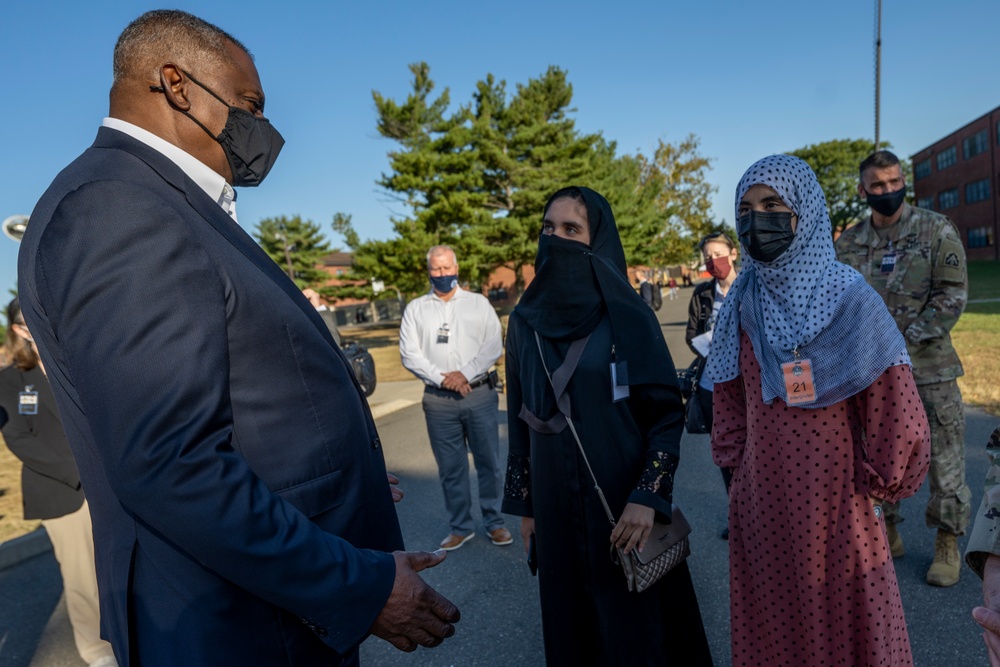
[[444, 284]]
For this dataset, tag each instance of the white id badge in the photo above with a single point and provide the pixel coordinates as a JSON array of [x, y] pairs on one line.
[[619, 373], [27, 402]]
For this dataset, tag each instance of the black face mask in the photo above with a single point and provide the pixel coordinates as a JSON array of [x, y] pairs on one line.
[[251, 144], [766, 235], [886, 204]]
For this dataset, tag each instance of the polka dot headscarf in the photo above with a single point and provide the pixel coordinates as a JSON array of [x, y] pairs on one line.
[[804, 300]]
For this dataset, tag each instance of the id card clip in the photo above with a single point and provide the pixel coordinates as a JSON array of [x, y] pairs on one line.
[[888, 259], [619, 378], [799, 386], [27, 403]]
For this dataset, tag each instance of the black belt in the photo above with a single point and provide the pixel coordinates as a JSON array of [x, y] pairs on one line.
[[480, 382], [472, 385]]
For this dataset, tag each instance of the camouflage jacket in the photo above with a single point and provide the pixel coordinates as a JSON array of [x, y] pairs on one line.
[[925, 291], [985, 537]]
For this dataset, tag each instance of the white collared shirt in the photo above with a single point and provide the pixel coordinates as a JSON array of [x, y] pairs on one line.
[[205, 177], [474, 340]]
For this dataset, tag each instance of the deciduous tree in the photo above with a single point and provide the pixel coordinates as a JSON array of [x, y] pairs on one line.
[[836, 165]]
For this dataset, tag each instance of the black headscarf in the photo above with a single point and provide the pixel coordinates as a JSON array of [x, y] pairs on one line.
[[576, 284]]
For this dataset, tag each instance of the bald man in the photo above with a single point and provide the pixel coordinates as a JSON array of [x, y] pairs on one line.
[[241, 507]]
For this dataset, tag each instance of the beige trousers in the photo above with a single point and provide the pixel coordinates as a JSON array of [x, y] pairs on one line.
[[72, 538]]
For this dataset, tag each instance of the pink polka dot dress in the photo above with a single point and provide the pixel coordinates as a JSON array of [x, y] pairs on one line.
[[811, 578]]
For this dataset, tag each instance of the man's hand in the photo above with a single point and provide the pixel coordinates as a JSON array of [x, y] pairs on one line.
[[633, 529], [313, 297], [415, 613], [988, 615], [454, 381], [397, 493]]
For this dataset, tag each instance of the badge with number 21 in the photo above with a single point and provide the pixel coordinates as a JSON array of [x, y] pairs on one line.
[[799, 387]]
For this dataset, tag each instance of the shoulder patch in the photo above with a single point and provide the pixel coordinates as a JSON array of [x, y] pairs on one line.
[[951, 259]]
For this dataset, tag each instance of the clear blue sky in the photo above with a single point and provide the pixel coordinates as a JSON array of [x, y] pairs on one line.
[[749, 78]]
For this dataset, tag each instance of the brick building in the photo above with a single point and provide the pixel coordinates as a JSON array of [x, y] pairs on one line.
[[958, 176]]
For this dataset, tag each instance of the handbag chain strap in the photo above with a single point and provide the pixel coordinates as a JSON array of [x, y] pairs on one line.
[[572, 429]]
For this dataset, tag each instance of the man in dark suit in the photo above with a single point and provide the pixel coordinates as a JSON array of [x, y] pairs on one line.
[[240, 502]]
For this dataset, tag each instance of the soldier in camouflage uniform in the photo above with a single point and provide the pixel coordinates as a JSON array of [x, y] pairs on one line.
[[914, 258], [983, 552]]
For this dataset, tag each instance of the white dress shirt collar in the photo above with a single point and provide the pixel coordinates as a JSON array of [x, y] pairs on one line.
[[456, 295], [205, 177]]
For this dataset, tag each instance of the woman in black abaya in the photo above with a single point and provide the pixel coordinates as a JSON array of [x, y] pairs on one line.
[[631, 434]]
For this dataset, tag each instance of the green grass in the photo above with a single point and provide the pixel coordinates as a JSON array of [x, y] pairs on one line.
[[984, 280], [977, 338]]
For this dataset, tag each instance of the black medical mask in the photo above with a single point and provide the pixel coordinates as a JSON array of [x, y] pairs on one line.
[[886, 204], [766, 234], [444, 284], [251, 144]]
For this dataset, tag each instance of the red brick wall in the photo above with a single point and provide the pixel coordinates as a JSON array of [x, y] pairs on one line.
[[966, 170]]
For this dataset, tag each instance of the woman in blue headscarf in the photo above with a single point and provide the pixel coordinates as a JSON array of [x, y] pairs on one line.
[[818, 417], [623, 397]]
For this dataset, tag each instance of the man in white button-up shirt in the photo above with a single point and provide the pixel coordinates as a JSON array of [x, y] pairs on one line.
[[449, 338]]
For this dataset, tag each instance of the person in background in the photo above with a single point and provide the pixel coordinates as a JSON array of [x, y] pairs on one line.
[[449, 338], [328, 318], [983, 552], [817, 415], [50, 485], [646, 289], [915, 260], [720, 256], [672, 283], [629, 421]]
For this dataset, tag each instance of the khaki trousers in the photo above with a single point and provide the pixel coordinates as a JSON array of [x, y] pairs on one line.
[[72, 538], [949, 505]]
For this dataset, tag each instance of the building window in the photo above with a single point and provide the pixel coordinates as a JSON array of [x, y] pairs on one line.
[[981, 237], [978, 191], [946, 158], [948, 198], [976, 144], [922, 169], [926, 202]]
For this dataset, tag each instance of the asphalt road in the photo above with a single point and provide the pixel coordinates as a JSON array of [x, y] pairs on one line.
[[499, 599]]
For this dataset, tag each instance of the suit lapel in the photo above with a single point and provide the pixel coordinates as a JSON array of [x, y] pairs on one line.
[[215, 216]]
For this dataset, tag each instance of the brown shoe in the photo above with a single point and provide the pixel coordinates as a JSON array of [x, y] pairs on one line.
[[947, 565], [896, 547], [453, 542], [501, 537]]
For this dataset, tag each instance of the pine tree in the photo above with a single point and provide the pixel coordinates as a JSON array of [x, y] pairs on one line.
[[297, 246], [477, 178]]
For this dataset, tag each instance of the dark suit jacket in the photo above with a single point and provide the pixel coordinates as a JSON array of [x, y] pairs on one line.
[[233, 469], [50, 482]]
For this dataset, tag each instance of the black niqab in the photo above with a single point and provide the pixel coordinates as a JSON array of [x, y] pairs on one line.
[[576, 284]]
